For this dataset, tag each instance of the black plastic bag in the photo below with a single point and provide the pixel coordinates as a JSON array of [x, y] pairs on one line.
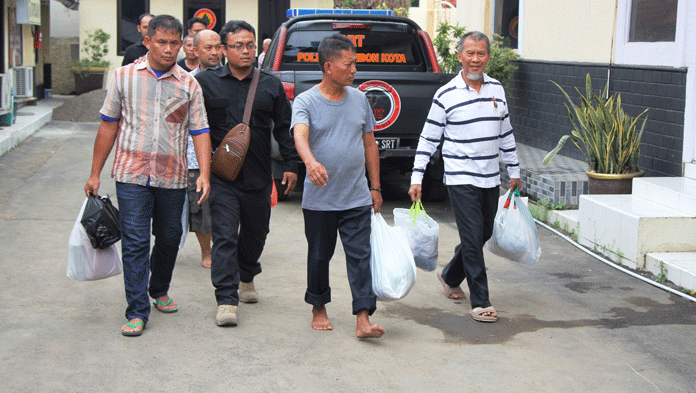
[[101, 222]]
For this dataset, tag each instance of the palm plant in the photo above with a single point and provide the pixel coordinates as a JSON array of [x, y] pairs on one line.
[[608, 137]]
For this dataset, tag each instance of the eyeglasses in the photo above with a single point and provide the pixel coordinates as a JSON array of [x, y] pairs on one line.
[[240, 47]]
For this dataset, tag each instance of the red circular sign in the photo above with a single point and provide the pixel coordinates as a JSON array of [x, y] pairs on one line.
[[384, 101], [514, 25], [207, 15]]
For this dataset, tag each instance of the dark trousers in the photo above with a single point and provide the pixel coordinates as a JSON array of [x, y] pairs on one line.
[[321, 228], [239, 223], [474, 211], [137, 206]]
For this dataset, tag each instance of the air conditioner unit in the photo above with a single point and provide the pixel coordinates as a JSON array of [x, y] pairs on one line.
[[24, 81], [6, 91]]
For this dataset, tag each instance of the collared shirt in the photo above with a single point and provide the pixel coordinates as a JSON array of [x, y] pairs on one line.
[[225, 98], [134, 52], [190, 151], [156, 114], [476, 128]]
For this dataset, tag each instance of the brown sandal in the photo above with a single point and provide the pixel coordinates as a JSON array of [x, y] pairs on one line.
[[451, 291], [478, 314]]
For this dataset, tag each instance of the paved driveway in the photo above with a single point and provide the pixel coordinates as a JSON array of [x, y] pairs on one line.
[[569, 323]]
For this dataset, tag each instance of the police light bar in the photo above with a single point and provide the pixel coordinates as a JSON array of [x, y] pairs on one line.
[[292, 12]]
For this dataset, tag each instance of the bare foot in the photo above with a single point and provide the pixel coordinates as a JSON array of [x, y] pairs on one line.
[[365, 329], [204, 240], [320, 321], [205, 261]]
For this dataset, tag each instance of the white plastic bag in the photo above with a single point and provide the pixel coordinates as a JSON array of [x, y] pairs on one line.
[[391, 263], [514, 231], [185, 221], [86, 263], [422, 233]]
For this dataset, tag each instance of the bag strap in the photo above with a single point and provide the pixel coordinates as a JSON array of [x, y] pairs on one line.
[[250, 96], [416, 210]]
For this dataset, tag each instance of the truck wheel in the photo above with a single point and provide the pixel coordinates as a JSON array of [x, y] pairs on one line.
[[281, 190]]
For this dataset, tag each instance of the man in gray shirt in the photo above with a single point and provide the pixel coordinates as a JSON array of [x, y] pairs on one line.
[[333, 129]]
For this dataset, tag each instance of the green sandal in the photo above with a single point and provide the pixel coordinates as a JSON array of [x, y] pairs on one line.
[[134, 326], [166, 311]]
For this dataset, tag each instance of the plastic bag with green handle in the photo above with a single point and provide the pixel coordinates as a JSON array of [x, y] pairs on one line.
[[422, 232]]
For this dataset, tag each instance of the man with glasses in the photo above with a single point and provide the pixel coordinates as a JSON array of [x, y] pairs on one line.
[[241, 210]]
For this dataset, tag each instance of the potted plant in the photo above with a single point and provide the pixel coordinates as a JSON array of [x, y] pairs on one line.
[[608, 138], [89, 70]]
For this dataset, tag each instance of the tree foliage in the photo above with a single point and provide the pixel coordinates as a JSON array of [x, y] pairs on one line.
[[500, 66]]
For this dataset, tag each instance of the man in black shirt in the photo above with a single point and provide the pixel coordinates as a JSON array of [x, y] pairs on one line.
[[138, 49], [240, 210], [189, 62]]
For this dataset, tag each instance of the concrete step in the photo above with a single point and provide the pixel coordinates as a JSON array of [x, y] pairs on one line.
[[568, 220], [677, 267], [626, 227], [690, 170], [678, 193]]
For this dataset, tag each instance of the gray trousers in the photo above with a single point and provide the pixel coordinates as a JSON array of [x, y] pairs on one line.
[[474, 211]]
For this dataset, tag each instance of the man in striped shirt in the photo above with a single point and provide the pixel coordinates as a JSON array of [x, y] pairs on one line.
[[148, 112], [471, 112]]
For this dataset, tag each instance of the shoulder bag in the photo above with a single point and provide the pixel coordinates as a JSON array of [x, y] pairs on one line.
[[229, 156]]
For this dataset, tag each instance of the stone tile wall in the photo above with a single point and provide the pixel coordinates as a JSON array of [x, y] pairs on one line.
[[60, 57], [538, 114]]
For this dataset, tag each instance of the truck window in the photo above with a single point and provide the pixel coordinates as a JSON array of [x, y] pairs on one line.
[[375, 50]]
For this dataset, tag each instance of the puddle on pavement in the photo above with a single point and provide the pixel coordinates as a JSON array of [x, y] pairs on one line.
[[584, 287], [570, 276], [461, 328]]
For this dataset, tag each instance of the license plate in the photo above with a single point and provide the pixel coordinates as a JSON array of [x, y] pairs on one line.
[[387, 143]]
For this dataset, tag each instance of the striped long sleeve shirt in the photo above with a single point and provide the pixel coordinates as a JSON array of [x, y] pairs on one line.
[[475, 129]]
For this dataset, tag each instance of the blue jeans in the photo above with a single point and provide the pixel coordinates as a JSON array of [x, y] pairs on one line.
[[137, 206]]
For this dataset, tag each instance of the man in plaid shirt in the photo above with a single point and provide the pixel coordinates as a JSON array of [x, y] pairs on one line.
[[149, 111]]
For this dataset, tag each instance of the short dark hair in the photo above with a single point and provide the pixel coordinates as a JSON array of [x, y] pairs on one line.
[[330, 48], [196, 20], [140, 18], [476, 36], [234, 26], [164, 23]]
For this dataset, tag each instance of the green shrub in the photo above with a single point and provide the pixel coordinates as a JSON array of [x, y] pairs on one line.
[[608, 137], [95, 49]]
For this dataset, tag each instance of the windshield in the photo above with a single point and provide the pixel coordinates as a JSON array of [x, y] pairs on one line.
[[374, 49]]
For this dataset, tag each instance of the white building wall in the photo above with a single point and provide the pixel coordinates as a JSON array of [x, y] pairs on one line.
[[311, 4], [568, 30], [65, 23], [475, 15]]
